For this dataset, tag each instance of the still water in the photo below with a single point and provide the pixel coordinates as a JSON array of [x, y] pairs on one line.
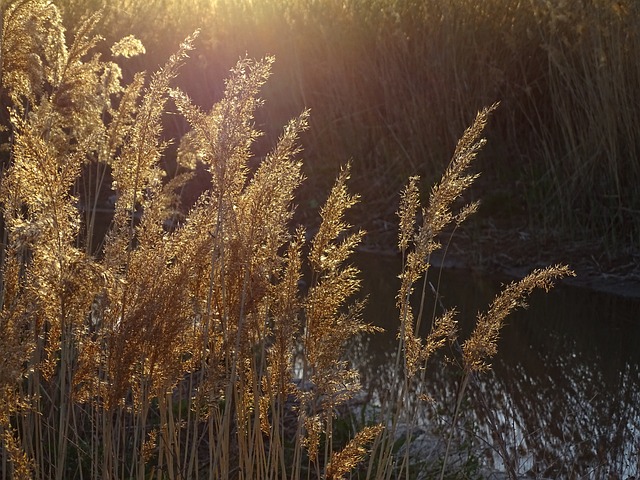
[[563, 397]]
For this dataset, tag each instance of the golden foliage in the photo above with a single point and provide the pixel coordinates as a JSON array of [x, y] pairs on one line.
[[435, 218], [181, 337], [157, 303], [32, 50], [352, 454], [482, 345], [409, 203], [327, 328], [128, 47]]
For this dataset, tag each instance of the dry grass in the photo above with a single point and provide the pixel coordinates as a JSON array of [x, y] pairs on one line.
[[181, 345]]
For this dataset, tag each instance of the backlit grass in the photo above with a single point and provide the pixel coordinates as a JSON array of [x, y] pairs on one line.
[[181, 343]]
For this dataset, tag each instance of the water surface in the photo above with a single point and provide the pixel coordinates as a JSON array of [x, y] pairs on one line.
[[563, 397]]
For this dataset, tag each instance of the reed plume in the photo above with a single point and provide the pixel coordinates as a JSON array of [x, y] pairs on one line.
[[352, 454], [327, 380], [417, 243], [481, 346], [327, 329]]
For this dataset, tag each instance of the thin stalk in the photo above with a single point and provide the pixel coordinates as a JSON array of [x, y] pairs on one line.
[[93, 443], [107, 437], [77, 441], [456, 413], [165, 439], [192, 420], [140, 427], [63, 417]]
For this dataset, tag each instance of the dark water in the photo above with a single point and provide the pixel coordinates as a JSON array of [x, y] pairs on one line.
[[563, 397]]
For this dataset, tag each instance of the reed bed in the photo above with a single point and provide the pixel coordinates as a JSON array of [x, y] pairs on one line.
[[183, 342], [393, 84]]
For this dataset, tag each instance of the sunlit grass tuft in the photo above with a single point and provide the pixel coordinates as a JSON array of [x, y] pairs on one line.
[[183, 343]]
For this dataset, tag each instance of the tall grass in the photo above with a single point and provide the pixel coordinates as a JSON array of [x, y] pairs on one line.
[[181, 344], [588, 156]]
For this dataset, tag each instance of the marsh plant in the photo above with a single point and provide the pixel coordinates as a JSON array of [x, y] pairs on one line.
[[180, 343]]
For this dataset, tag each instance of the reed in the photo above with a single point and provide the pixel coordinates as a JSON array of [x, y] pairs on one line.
[[417, 242], [180, 344]]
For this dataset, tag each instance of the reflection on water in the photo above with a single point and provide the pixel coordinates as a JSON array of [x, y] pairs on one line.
[[563, 397]]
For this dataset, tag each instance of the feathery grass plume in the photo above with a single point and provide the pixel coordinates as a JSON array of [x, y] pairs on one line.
[[286, 310], [417, 243], [49, 148], [16, 348], [20, 467], [481, 346], [329, 250], [149, 445], [127, 47], [31, 50], [352, 454], [283, 336], [277, 384], [436, 216], [147, 322], [444, 330], [268, 197], [246, 222], [147, 325], [136, 170], [119, 130], [117, 354], [108, 150], [314, 427], [48, 278], [272, 307], [252, 240], [221, 139], [224, 135], [326, 329], [328, 325], [84, 88], [236, 232], [15, 344], [409, 204]]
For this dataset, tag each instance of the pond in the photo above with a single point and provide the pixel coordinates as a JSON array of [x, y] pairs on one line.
[[563, 397]]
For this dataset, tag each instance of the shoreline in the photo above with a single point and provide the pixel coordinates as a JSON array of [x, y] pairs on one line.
[[511, 257]]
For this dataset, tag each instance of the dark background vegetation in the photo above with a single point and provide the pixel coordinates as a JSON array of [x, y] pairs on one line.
[[391, 85]]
